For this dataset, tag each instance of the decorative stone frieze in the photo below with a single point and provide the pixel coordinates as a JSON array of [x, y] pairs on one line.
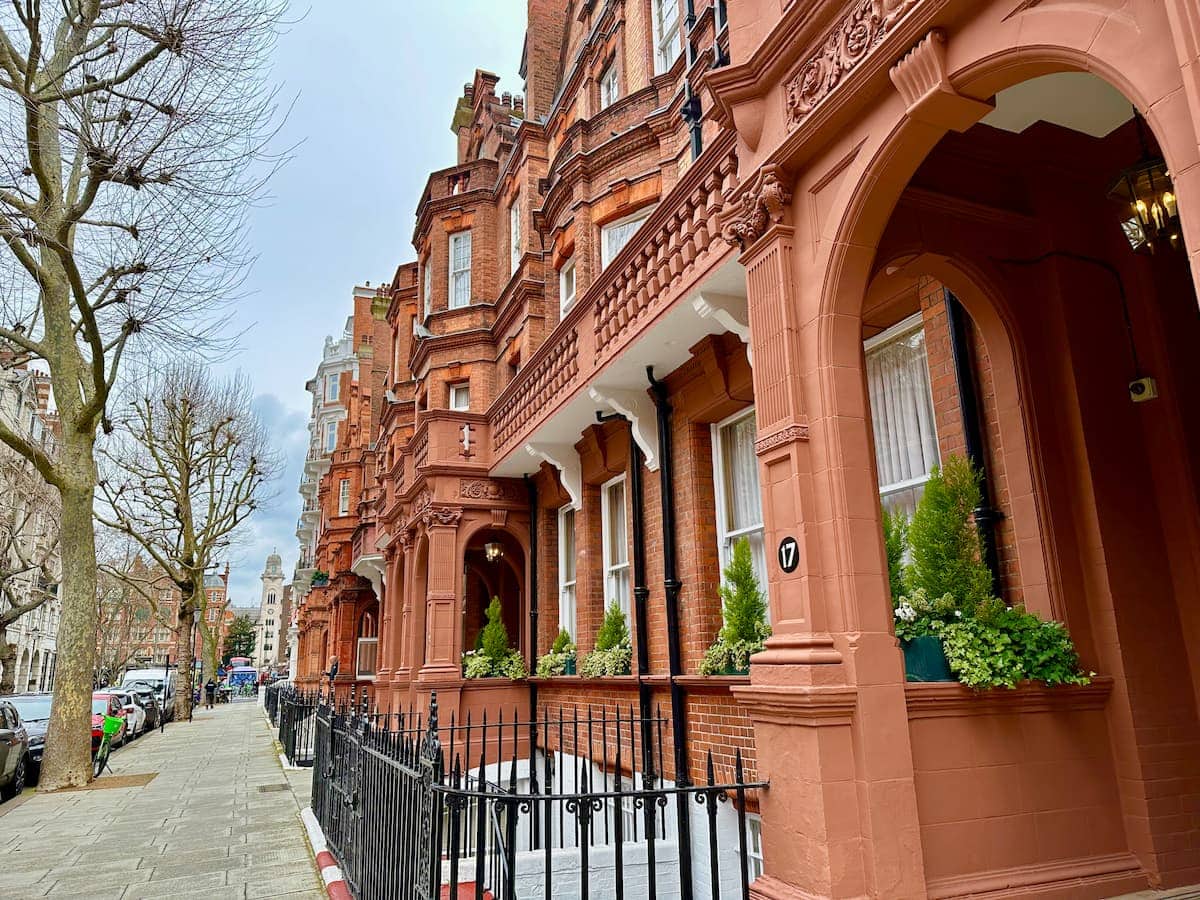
[[486, 489], [846, 45], [447, 516], [779, 438]]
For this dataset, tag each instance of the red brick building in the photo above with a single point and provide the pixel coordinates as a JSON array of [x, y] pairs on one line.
[[753, 272]]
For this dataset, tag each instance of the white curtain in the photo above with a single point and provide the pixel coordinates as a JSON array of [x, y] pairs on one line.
[[617, 236], [902, 410], [742, 501], [566, 572], [616, 547]]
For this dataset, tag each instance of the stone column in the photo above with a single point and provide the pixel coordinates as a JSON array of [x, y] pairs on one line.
[[383, 669], [827, 693], [442, 612]]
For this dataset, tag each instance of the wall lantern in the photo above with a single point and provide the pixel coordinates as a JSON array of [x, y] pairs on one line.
[[493, 550], [1147, 189]]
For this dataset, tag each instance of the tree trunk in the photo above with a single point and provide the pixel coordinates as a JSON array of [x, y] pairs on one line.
[[186, 654], [8, 667], [68, 759]]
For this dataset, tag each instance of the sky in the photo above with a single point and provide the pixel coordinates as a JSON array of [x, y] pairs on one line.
[[374, 84]]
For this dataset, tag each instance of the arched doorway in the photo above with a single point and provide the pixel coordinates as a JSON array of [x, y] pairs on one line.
[[1084, 346], [493, 567]]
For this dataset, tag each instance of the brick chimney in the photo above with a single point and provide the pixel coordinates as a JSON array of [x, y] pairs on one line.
[[543, 46]]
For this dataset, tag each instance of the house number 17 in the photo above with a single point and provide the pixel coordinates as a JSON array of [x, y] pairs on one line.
[[789, 554]]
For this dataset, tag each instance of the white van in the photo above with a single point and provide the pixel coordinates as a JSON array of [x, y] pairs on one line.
[[155, 678]]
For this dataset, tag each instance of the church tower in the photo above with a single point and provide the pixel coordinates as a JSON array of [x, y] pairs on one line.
[[267, 648]]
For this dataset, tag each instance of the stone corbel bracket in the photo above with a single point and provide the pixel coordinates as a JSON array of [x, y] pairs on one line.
[[755, 206], [920, 77], [637, 407], [564, 458], [728, 312]]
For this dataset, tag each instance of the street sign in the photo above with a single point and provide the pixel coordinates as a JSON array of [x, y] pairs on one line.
[[789, 554]]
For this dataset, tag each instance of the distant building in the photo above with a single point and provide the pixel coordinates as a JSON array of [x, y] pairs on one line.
[[269, 646]]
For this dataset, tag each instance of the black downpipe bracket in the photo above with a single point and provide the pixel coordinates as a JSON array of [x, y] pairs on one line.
[[671, 587], [986, 515]]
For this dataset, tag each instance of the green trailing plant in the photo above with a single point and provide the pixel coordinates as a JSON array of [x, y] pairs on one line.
[[895, 540], [1001, 646], [319, 577], [745, 611], [943, 539], [613, 653], [555, 661], [494, 658]]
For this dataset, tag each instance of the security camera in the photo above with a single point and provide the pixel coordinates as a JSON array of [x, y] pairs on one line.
[[1143, 389]]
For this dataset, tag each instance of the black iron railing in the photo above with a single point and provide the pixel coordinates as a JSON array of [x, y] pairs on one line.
[[271, 702], [563, 804], [296, 716]]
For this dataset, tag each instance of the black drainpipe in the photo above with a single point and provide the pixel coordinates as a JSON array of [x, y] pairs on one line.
[[986, 515], [531, 487], [640, 593], [671, 586]]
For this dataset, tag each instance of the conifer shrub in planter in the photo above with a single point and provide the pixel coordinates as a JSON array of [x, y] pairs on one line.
[[559, 659], [745, 611], [493, 657], [949, 624], [614, 647]]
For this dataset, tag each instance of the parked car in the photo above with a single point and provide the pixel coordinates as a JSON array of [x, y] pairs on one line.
[[146, 698], [14, 751], [107, 704], [34, 710], [155, 678], [135, 715]]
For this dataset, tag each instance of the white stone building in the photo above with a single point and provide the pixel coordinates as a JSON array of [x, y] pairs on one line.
[[30, 565], [271, 629]]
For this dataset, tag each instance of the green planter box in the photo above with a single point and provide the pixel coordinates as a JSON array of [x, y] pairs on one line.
[[925, 660], [569, 666], [733, 670]]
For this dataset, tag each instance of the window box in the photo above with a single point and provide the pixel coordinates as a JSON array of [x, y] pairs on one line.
[[925, 659]]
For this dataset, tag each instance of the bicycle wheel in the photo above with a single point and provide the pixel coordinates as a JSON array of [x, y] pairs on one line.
[[102, 756]]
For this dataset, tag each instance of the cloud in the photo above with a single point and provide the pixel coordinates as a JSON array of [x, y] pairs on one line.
[[272, 528]]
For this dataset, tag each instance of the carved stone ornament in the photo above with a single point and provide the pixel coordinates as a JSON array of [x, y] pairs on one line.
[[786, 436], [844, 47], [758, 204], [407, 539], [486, 489], [442, 516]]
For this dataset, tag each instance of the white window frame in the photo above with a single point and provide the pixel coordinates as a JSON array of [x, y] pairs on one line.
[[459, 276], [754, 847], [607, 256], [726, 536], [666, 45], [428, 286], [565, 300], [610, 86], [902, 329], [460, 396], [344, 497], [514, 235], [567, 609], [333, 387], [330, 436], [614, 571]]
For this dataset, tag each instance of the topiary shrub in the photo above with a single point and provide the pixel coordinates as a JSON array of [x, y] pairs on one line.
[[943, 539], [613, 653], [558, 658], [745, 611], [493, 658]]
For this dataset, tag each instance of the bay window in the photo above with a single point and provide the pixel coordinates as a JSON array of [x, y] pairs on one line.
[[609, 91], [460, 269], [615, 551], [739, 503], [427, 289], [344, 497], [906, 446], [330, 436], [332, 388], [615, 236], [566, 570], [460, 396]]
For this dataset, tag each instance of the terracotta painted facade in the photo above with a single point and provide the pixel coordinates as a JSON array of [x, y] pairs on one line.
[[744, 220]]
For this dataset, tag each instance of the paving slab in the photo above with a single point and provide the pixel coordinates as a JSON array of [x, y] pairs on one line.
[[200, 827]]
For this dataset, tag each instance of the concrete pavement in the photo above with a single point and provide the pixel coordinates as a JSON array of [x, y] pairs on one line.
[[220, 819]]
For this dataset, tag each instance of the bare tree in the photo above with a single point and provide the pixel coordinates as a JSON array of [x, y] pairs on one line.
[[186, 466], [131, 143]]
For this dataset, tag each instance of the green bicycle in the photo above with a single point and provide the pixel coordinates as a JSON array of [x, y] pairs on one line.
[[112, 725]]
